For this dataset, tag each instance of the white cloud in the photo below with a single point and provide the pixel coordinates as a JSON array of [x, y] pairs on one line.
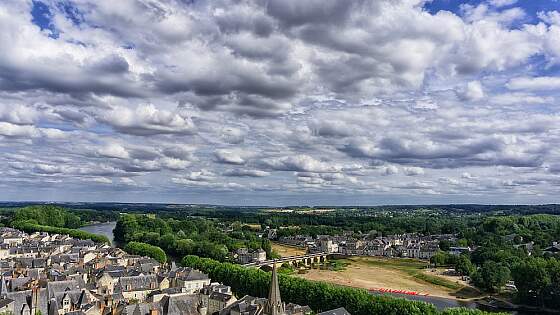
[[147, 120], [291, 97], [472, 91], [114, 150], [413, 171], [502, 3], [534, 83]]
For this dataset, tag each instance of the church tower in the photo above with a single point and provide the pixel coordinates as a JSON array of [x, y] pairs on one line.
[[274, 305]]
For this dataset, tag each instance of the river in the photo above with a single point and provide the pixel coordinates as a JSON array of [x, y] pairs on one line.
[[105, 228]]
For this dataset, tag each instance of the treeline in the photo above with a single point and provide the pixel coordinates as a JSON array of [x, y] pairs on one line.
[[319, 296], [192, 236], [337, 223], [48, 215], [57, 216], [31, 227], [143, 249]]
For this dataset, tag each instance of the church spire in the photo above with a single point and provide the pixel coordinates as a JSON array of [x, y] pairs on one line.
[[3, 287], [274, 305]]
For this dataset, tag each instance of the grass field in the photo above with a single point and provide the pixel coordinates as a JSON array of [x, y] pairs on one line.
[[397, 274]]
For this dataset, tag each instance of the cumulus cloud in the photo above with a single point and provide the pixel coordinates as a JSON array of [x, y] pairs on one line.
[[147, 120], [245, 173], [280, 97], [472, 91], [300, 163], [114, 150]]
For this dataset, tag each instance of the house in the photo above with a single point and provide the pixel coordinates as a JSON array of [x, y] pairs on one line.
[[554, 249], [336, 311], [136, 287], [245, 256], [453, 250], [189, 279], [427, 251], [328, 246]]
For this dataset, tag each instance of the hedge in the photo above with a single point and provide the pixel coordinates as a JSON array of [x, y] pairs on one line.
[[144, 249]]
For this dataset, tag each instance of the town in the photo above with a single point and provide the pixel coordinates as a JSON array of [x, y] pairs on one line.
[[56, 274], [408, 245]]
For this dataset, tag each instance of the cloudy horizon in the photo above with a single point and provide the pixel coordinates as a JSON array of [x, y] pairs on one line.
[[280, 102]]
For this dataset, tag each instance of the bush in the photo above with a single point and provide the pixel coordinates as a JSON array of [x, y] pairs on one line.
[[144, 249]]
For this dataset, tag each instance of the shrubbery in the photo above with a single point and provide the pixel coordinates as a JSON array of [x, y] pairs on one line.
[[144, 249]]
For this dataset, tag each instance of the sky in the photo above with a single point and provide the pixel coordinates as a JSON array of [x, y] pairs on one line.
[[280, 102]]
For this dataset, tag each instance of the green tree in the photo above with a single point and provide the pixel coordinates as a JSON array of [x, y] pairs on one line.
[[464, 266], [144, 249], [439, 259], [532, 279], [491, 276]]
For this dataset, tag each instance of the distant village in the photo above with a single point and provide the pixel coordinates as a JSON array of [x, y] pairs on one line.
[[56, 274], [410, 245]]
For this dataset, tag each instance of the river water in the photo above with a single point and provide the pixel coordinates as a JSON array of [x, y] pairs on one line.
[[105, 228]]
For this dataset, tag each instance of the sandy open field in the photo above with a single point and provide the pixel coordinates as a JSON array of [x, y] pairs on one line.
[[284, 250], [362, 274]]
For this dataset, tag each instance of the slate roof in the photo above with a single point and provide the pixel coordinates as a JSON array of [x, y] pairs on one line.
[[553, 248], [218, 296], [22, 298], [55, 287], [179, 305], [247, 305], [336, 311], [137, 283], [189, 274], [5, 301]]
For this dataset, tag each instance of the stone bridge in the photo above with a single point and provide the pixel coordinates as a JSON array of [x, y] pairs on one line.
[[306, 260]]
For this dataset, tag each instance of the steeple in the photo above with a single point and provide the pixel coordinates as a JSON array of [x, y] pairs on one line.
[[274, 305], [3, 287]]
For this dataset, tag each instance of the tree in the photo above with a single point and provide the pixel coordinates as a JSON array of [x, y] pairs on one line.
[[532, 280], [439, 259], [491, 276], [444, 245], [464, 266], [144, 249]]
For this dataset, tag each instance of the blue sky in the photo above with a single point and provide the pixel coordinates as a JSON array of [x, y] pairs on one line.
[[531, 7], [280, 102]]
